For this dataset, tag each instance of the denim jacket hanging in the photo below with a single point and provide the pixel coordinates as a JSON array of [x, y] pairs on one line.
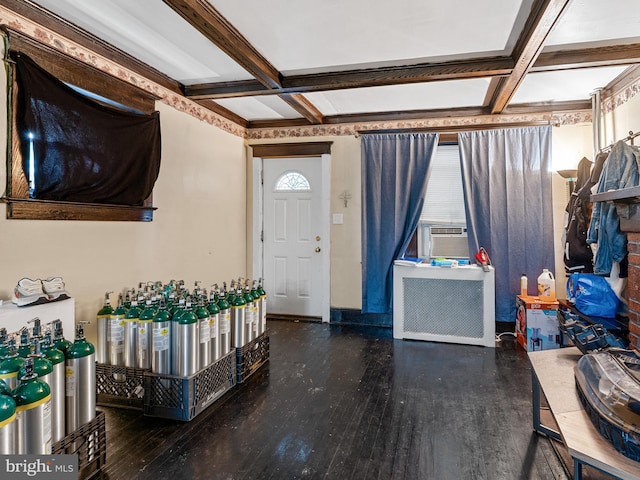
[[620, 171]]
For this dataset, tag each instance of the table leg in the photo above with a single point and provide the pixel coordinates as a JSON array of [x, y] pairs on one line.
[[537, 426]]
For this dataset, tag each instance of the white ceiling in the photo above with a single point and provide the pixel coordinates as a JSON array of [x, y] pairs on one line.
[[302, 38]]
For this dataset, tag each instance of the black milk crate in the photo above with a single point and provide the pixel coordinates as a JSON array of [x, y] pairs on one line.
[[182, 398], [89, 442], [120, 386], [252, 356]]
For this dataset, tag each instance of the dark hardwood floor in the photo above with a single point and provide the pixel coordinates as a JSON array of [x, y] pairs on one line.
[[338, 402]]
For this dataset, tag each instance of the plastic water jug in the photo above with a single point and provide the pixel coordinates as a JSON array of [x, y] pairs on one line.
[[546, 286]]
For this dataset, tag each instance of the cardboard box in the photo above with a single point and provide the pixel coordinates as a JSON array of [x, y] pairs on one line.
[[537, 323]]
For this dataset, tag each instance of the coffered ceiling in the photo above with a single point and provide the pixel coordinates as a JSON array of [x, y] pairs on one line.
[[288, 62]]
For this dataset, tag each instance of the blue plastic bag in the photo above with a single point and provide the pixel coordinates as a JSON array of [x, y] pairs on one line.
[[592, 295]]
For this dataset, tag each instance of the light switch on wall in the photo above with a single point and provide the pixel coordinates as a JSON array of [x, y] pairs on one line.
[[337, 219]]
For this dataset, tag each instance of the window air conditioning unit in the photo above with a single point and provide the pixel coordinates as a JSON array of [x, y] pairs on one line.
[[448, 241]]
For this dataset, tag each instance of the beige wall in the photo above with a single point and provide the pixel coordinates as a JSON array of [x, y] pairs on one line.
[[617, 123], [346, 271], [198, 231], [570, 144]]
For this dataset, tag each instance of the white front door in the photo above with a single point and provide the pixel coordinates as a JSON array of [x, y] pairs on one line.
[[293, 243]]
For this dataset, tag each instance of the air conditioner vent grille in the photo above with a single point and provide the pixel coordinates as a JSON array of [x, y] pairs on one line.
[[448, 230]]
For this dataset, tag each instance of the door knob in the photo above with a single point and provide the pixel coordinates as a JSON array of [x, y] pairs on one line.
[[317, 249]]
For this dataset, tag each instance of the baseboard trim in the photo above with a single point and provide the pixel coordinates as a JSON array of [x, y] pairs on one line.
[[352, 316]]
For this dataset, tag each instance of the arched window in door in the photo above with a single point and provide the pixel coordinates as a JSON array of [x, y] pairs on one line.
[[292, 181]]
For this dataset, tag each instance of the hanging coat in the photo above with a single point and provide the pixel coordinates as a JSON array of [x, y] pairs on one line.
[[578, 256]]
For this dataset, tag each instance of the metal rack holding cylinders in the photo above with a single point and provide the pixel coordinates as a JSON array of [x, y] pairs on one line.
[[178, 354]]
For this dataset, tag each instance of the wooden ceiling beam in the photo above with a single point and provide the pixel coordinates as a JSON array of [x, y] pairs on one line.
[[588, 57], [542, 107], [367, 77], [544, 16], [217, 29], [494, 67], [223, 112], [304, 107]]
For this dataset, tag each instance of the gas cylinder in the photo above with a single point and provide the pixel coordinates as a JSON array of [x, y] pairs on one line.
[[4, 345], [224, 329], [178, 310], [102, 319], [205, 352], [238, 319], [250, 312], [161, 345], [8, 424], [187, 348], [262, 308], [36, 332], [127, 300], [10, 365], [33, 409], [41, 366], [145, 335], [214, 325], [115, 333], [131, 319], [59, 341], [80, 372], [57, 385], [25, 347], [255, 305]]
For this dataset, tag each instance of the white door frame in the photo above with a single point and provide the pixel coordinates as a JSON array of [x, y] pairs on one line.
[[325, 227]]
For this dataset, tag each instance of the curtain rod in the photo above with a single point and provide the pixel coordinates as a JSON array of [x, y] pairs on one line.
[[629, 137], [458, 128]]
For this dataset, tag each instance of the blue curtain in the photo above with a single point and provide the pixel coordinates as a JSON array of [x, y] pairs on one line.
[[395, 170], [506, 178]]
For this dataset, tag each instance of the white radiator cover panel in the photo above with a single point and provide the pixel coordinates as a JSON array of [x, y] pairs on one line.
[[442, 304]]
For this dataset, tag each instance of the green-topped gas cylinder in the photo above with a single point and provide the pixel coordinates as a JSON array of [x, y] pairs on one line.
[[251, 313], [262, 309], [59, 341], [102, 320], [161, 345], [80, 373], [224, 329], [57, 385], [205, 350], [131, 319], [115, 343], [4, 344], [10, 366], [214, 325], [187, 341], [238, 319], [25, 347], [33, 409], [8, 422], [145, 335]]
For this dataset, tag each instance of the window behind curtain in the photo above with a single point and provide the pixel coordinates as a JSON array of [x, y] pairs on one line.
[[443, 207]]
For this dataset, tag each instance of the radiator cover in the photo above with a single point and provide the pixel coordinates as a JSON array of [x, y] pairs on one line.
[[441, 304]]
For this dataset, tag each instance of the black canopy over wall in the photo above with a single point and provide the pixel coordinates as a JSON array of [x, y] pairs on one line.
[[83, 150]]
